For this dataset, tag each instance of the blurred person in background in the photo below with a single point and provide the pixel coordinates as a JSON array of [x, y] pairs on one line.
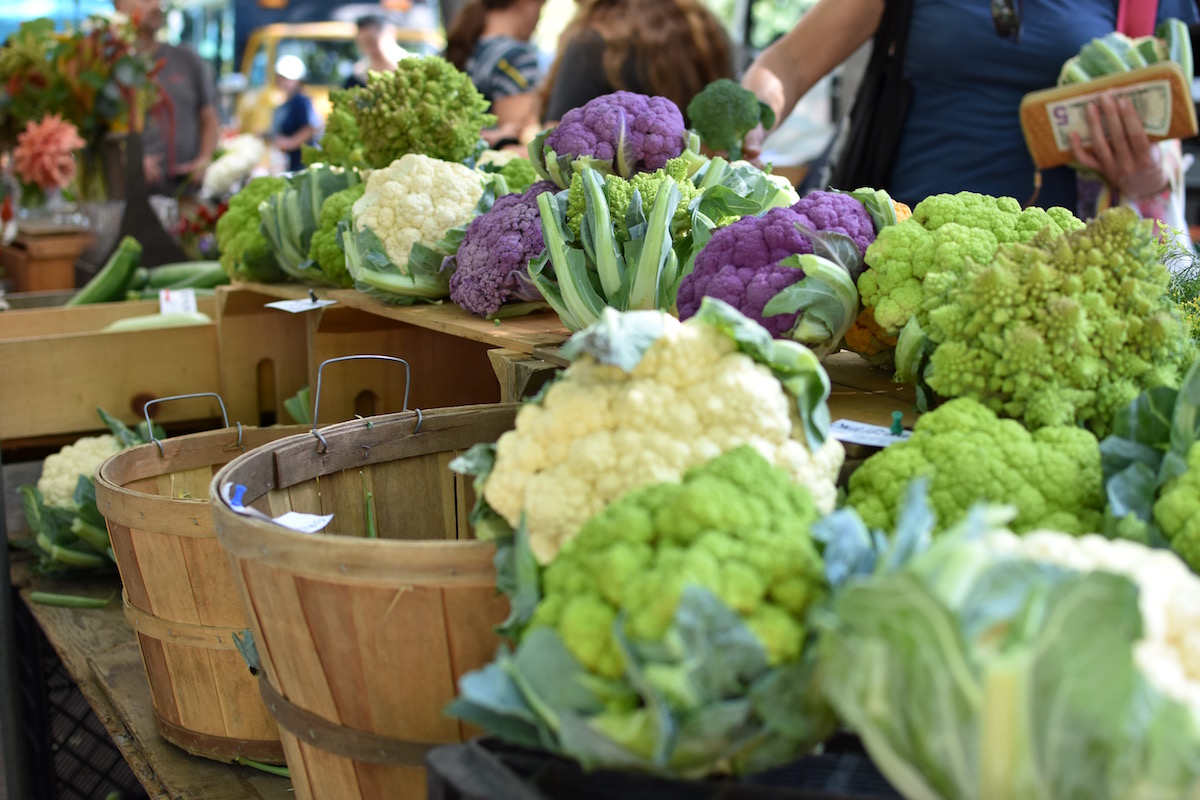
[[671, 48], [489, 40], [181, 132], [295, 121], [376, 39]]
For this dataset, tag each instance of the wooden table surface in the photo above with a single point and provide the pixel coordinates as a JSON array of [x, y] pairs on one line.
[[100, 652]]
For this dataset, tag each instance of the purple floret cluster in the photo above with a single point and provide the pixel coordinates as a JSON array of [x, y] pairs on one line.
[[653, 128], [490, 268], [740, 263]]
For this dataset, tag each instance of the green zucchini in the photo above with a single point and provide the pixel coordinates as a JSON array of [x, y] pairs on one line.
[[188, 275], [148, 322], [114, 278]]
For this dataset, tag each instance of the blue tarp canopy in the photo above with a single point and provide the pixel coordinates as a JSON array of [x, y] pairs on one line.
[[14, 12]]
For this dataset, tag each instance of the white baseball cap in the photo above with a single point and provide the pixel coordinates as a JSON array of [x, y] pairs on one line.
[[291, 67]]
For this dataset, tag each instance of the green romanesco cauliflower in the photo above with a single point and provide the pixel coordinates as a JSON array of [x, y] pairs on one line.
[[340, 144], [426, 105], [943, 232], [324, 249], [246, 253], [1061, 331], [1052, 476], [737, 526], [1177, 510], [600, 431], [61, 471]]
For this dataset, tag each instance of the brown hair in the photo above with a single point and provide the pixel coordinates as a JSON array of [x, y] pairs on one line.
[[467, 27], [678, 46]]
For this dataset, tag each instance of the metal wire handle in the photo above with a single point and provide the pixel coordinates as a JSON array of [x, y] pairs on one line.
[[220, 402], [317, 398]]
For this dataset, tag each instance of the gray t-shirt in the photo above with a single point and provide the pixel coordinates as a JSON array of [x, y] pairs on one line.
[[186, 82]]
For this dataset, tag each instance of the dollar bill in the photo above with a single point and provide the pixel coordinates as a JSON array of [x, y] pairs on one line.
[[1151, 100]]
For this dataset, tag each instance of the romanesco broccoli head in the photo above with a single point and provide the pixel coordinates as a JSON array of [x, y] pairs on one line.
[[324, 249], [1177, 510], [340, 144], [1052, 476], [737, 526], [426, 105], [1062, 331]]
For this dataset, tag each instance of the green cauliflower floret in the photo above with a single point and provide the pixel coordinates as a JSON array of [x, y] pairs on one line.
[[1052, 476], [736, 526], [325, 251], [519, 174], [619, 193], [340, 143], [1177, 510], [1061, 331], [934, 244], [426, 105], [246, 253]]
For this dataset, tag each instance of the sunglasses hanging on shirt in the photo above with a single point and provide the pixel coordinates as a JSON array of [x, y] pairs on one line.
[[1006, 19]]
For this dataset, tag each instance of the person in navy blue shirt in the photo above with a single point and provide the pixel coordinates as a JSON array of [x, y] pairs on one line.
[[968, 75], [295, 121]]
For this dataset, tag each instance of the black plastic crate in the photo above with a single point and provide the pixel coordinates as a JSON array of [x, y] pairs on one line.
[[487, 769], [70, 755]]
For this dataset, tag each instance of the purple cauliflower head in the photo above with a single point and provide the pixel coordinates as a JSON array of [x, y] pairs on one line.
[[838, 212], [651, 129], [740, 265], [490, 268]]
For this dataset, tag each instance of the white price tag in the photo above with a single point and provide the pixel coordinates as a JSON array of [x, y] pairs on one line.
[[233, 493], [177, 301], [851, 432], [300, 306]]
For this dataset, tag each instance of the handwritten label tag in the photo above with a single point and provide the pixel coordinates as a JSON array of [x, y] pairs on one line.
[[851, 432], [300, 306], [177, 301], [1151, 100], [232, 493]]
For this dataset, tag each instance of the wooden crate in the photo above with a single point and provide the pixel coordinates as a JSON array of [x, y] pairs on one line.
[[447, 370], [57, 367], [43, 263], [362, 641]]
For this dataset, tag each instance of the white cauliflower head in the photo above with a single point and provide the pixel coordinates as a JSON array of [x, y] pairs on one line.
[[416, 199], [61, 470], [600, 431], [1168, 654]]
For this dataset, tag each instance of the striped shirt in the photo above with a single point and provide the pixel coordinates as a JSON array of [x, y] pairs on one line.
[[502, 66]]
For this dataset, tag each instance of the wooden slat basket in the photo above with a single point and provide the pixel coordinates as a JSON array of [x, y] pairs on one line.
[[362, 641], [179, 592]]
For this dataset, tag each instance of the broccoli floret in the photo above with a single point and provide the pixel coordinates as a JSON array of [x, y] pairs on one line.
[[724, 112], [246, 253], [324, 250]]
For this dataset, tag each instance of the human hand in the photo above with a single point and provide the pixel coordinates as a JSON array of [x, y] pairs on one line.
[[152, 167], [752, 145], [1120, 150], [194, 169]]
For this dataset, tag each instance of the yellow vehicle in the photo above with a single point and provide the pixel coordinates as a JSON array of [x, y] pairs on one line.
[[328, 50]]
